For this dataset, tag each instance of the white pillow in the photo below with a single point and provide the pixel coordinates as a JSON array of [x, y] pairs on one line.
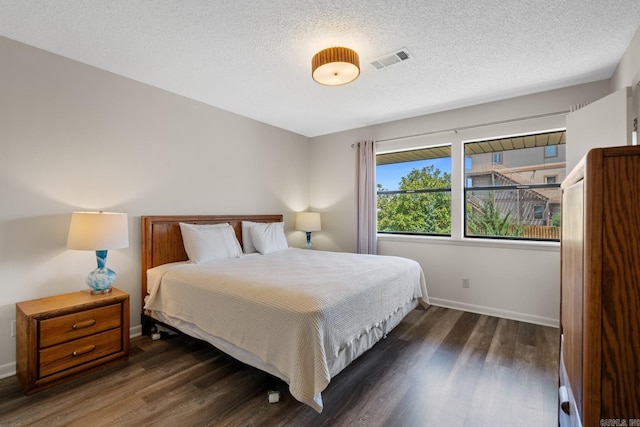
[[209, 242], [247, 241], [269, 237]]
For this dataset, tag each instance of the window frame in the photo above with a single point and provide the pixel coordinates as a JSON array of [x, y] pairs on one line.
[[447, 190], [501, 187], [548, 124], [537, 211]]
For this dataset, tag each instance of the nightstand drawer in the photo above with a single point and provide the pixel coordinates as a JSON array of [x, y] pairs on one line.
[[72, 326], [64, 356]]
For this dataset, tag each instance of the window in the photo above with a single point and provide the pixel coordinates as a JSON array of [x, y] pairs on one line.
[[538, 211], [518, 198], [414, 191], [507, 188], [551, 151]]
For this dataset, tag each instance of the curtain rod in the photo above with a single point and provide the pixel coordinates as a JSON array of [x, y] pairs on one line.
[[455, 130]]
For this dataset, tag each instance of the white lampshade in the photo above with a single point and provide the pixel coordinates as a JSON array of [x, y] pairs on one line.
[[308, 221], [91, 231]]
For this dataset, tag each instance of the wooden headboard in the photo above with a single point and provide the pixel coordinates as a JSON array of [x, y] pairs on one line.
[[162, 239]]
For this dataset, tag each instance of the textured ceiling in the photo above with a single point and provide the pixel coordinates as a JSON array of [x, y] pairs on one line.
[[253, 57]]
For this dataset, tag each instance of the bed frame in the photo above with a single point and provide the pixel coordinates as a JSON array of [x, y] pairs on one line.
[[162, 242]]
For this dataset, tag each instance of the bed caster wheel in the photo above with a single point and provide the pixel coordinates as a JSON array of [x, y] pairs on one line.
[[274, 396], [155, 334]]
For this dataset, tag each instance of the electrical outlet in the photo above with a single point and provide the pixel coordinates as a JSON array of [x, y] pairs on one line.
[[13, 328], [465, 282]]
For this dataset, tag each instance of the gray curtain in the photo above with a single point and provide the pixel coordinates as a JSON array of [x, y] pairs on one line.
[[366, 233]]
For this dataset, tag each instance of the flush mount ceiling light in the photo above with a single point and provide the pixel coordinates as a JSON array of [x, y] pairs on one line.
[[335, 66]]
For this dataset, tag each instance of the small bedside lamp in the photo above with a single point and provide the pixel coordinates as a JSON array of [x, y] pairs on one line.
[[308, 222], [99, 231]]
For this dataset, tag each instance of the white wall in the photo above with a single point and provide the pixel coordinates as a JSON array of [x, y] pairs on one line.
[[333, 183], [515, 281], [612, 118], [628, 70], [508, 279], [74, 137], [628, 74]]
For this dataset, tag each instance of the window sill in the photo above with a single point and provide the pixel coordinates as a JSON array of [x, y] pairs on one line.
[[473, 242]]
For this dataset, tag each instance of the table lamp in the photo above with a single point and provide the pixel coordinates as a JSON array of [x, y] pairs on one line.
[[99, 231], [308, 222]]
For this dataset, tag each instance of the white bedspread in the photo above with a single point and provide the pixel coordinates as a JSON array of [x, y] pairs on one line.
[[297, 310]]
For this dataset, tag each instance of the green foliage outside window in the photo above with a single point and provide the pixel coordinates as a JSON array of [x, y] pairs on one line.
[[489, 221], [417, 212]]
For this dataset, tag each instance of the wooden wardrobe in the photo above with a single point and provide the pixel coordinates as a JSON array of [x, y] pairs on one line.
[[600, 290]]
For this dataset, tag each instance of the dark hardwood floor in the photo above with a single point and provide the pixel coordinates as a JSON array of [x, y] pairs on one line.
[[439, 367]]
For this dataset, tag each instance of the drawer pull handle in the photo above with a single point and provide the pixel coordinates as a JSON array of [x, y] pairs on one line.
[[84, 324], [83, 350]]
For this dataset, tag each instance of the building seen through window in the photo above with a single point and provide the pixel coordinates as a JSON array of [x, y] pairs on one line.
[[519, 197]]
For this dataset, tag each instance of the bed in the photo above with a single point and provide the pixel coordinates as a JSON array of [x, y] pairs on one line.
[[300, 315]]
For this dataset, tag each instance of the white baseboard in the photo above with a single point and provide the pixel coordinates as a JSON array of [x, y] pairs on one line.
[[10, 368], [496, 312], [7, 370], [135, 331]]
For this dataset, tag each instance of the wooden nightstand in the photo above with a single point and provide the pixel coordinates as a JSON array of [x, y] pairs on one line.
[[63, 336]]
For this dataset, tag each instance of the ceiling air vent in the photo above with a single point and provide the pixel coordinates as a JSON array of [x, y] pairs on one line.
[[393, 58]]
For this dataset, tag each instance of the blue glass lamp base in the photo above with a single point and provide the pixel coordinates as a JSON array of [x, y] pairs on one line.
[[101, 279]]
